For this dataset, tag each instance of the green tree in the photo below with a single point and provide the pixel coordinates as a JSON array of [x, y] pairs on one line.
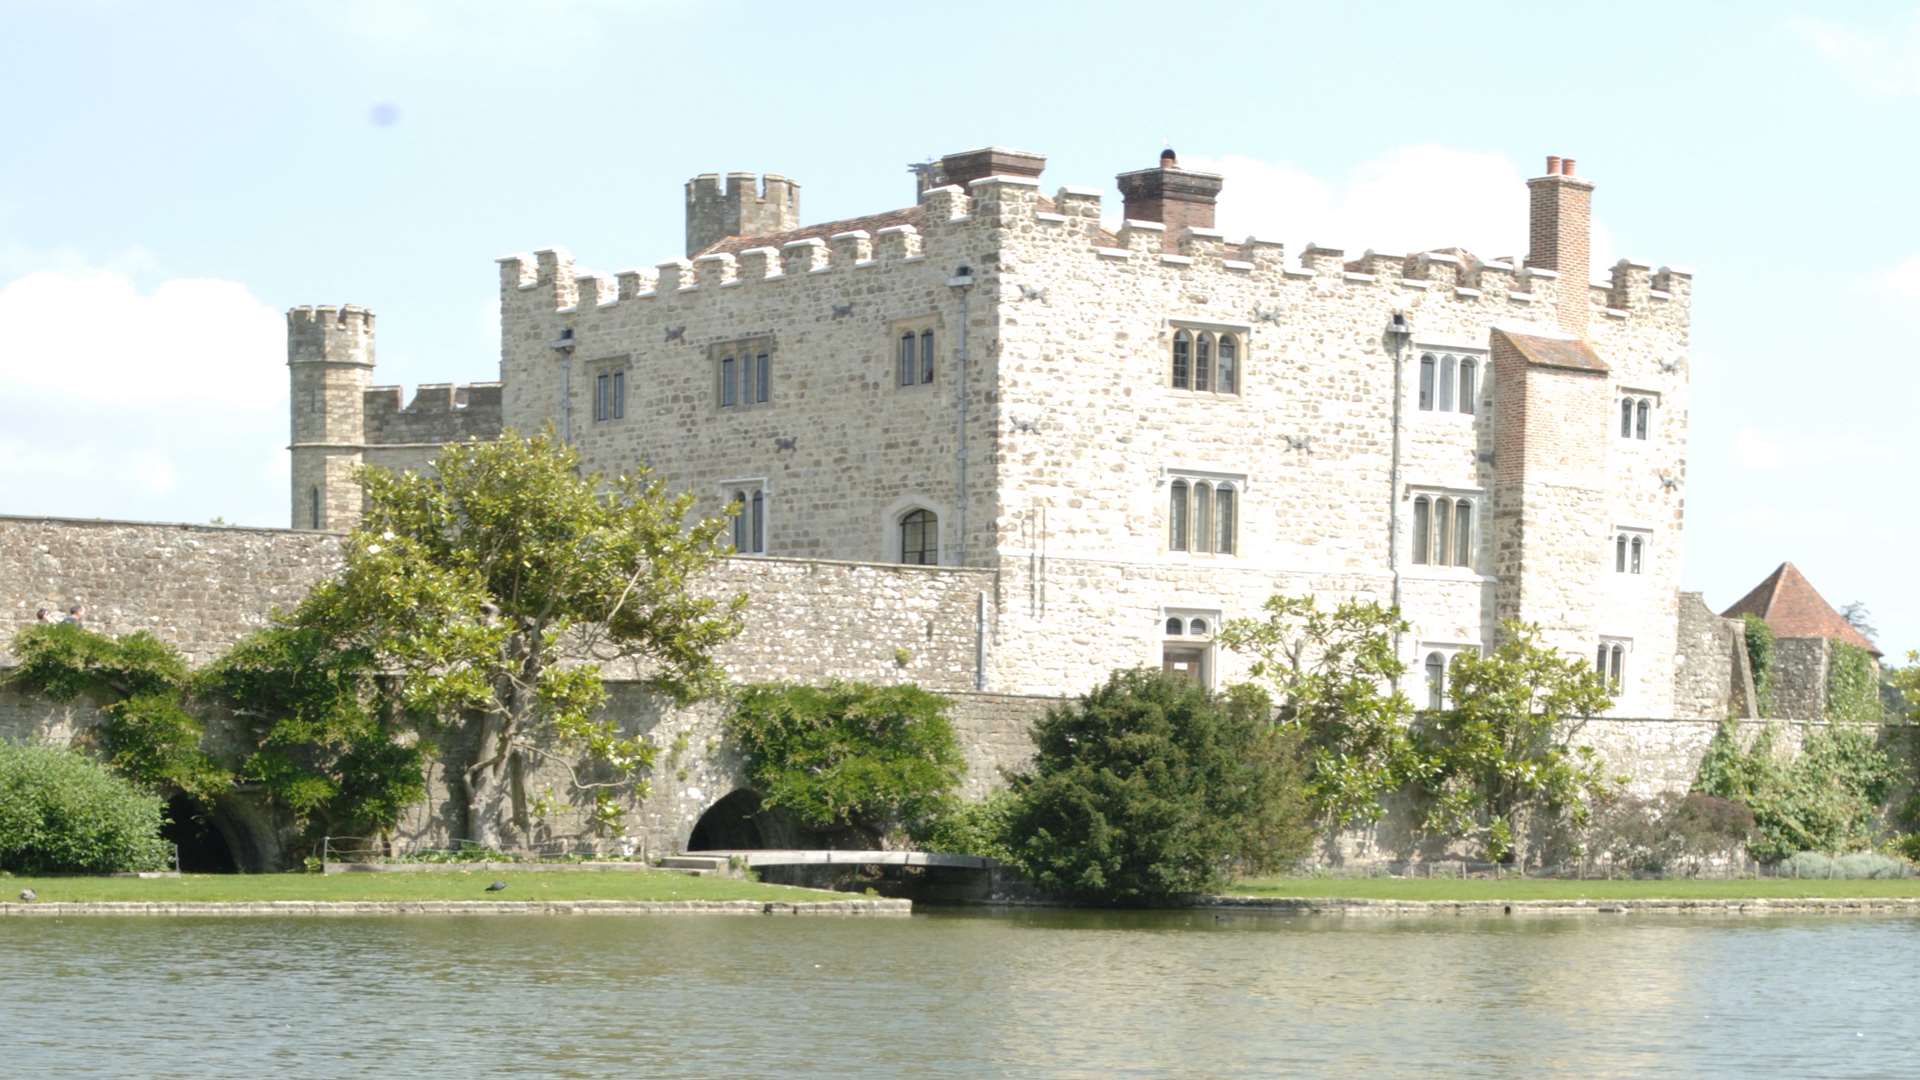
[[1337, 679], [849, 755], [1503, 760], [62, 812], [1148, 787], [494, 588]]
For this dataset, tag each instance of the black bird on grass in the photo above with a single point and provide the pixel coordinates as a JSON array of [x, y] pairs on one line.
[[497, 886]]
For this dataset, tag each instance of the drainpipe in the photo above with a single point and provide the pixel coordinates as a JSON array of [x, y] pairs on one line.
[[962, 283], [564, 346], [1399, 334]]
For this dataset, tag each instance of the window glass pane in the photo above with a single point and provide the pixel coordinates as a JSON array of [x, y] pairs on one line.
[[1426, 381], [1182, 360], [1619, 554], [919, 533], [746, 380], [1436, 680], [766, 376], [1225, 521], [1636, 554], [1229, 365], [1600, 661], [1198, 628], [759, 522], [1446, 384], [1177, 517], [1203, 517], [1469, 385], [1442, 520], [1174, 627], [600, 397], [1626, 417], [740, 521], [1619, 663], [1202, 361], [619, 394], [1422, 521], [1640, 427], [906, 366], [1463, 533], [726, 381], [313, 499], [926, 356]]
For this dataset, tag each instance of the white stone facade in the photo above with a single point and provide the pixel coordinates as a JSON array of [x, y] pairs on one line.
[[1049, 451]]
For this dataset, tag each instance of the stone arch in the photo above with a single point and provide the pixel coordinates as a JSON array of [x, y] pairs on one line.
[[740, 821], [235, 835]]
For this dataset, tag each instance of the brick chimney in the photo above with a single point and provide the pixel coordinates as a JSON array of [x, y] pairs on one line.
[[1171, 196], [1560, 239], [964, 168]]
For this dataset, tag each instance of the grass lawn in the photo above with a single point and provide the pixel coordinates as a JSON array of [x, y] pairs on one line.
[[1553, 889], [449, 884]]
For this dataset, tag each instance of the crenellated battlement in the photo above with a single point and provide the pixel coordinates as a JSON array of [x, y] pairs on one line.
[[438, 413], [327, 334]]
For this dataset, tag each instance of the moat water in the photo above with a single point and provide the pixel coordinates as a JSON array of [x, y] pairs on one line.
[[1031, 993]]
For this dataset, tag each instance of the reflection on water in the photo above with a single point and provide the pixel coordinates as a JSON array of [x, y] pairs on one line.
[[1025, 993]]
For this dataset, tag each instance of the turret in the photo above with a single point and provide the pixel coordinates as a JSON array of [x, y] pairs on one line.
[[749, 205], [329, 364]]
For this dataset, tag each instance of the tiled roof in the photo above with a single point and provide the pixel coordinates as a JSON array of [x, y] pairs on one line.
[[1794, 609], [1554, 352]]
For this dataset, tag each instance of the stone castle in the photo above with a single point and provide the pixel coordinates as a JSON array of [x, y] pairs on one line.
[[1137, 432]]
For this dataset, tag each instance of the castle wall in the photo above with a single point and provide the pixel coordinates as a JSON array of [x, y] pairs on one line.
[[1708, 651], [840, 449], [439, 413], [1799, 678]]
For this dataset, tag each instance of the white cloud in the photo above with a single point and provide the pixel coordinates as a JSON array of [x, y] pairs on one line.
[[1903, 280], [1882, 61], [122, 401], [1416, 198]]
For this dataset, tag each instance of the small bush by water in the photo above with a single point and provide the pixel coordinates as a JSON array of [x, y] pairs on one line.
[[1856, 866], [62, 812]]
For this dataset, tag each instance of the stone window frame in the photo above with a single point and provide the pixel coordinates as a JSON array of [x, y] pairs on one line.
[[745, 351], [1448, 376], [891, 520], [1631, 552], [1639, 415], [1192, 638], [1617, 652], [1421, 555], [755, 494], [1421, 672], [609, 396], [926, 369], [1211, 332], [1178, 479]]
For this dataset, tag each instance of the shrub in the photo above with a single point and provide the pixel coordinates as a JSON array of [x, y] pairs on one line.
[[64, 813], [1148, 788], [849, 754], [1856, 865], [982, 828], [1668, 833], [1825, 799]]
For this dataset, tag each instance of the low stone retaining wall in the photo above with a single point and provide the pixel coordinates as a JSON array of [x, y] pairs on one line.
[[1284, 905], [285, 908], [533, 867]]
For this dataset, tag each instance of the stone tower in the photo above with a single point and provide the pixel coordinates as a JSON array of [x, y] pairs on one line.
[[330, 364], [749, 206]]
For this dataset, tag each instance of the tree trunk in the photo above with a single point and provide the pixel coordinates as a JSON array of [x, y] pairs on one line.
[[489, 808]]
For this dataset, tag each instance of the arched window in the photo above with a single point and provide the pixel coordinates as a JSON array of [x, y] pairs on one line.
[[919, 538], [1442, 525], [759, 523], [1202, 361], [1446, 384], [1223, 518], [1463, 533], [1197, 628], [1427, 363], [727, 389], [313, 501], [1174, 626], [1182, 360], [1636, 554], [1203, 517], [1640, 419], [907, 366], [1436, 681], [926, 356], [740, 522], [1620, 554], [1422, 522], [1229, 382], [1177, 517], [1600, 662], [1469, 380], [1626, 418]]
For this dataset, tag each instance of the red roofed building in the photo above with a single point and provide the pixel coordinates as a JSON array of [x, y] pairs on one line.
[[1789, 604]]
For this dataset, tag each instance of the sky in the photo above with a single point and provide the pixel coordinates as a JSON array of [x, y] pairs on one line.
[[175, 176]]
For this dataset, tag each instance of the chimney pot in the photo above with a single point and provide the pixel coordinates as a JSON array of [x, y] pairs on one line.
[[1553, 164], [1168, 160], [1566, 166]]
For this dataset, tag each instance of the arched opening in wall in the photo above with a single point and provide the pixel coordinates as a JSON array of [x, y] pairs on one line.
[[732, 824], [203, 847]]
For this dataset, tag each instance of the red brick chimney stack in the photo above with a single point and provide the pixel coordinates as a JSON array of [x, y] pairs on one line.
[[1560, 239], [1171, 196]]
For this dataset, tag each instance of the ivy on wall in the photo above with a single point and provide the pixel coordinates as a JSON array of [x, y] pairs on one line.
[[1852, 691], [1760, 659]]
